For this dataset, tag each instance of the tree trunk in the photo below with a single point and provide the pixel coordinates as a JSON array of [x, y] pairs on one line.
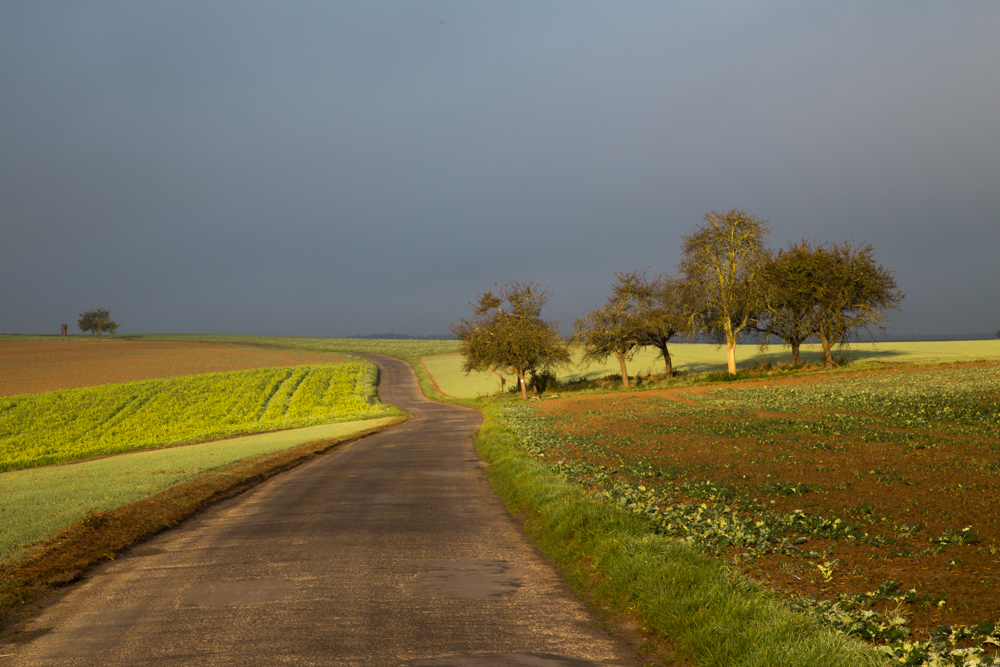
[[827, 355], [730, 348], [795, 352], [731, 356], [524, 387], [621, 363], [668, 361]]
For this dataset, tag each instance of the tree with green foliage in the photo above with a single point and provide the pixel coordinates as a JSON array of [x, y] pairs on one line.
[[97, 321], [722, 263], [613, 329], [851, 293], [661, 309], [507, 333], [789, 281]]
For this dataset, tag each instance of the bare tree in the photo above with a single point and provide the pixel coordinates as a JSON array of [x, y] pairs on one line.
[[722, 262]]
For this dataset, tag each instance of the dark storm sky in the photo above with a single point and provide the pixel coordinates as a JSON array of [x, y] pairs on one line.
[[318, 168]]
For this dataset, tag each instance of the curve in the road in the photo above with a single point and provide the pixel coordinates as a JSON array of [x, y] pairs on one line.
[[392, 550]]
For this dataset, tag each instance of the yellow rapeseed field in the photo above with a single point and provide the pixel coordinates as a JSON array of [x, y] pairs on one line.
[[59, 426]]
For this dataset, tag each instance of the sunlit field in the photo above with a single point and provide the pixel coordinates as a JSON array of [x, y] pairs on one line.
[[59, 426], [871, 498], [404, 349], [39, 502], [32, 364], [699, 358]]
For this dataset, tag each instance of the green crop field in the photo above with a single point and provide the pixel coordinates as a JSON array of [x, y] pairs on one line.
[[870, 498], [59, 426], [403, 349], [40, 502], [699, 358], [446, 369]]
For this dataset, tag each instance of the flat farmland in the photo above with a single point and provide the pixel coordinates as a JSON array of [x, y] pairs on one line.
[[73, 424], [870, 498], [689, 358], [31, 366]]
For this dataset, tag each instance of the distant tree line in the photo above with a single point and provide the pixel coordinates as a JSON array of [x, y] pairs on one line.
[[399, 336], [730, 287]]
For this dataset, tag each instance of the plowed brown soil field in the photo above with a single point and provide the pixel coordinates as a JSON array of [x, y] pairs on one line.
[[912, 459], [46, 365]]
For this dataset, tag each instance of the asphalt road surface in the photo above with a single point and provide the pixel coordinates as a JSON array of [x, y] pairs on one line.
[[392, 550]]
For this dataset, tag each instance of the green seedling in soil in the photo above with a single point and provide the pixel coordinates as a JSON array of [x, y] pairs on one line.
[[878, 502]]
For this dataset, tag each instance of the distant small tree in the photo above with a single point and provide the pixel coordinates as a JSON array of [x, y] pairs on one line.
[[613, 329], [722, 262], [851, 293], [97, 321], [507, 333]]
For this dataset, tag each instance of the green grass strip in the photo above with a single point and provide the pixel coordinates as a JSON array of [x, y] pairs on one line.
[[40, 502], [400, 348], [692, 358], [710, 613]]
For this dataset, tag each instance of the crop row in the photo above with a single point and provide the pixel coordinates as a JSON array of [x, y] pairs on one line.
[[966, 397], [59, 426]]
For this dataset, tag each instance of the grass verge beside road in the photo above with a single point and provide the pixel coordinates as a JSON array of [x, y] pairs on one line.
[[27, 583], [39, 502], [684, 599]]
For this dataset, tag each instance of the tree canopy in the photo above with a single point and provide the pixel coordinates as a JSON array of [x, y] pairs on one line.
[[661, 309], [790, 282], [851, 293], [507, 333], [722, 263], [613, 329], [97, 321]]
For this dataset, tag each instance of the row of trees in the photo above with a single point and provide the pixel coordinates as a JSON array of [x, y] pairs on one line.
[[730, 287]]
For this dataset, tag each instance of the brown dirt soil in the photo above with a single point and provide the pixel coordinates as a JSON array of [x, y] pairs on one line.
[[47, 365], [28, 586], [951, 483]]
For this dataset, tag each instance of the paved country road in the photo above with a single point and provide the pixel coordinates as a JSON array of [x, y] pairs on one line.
[[392, 550]]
